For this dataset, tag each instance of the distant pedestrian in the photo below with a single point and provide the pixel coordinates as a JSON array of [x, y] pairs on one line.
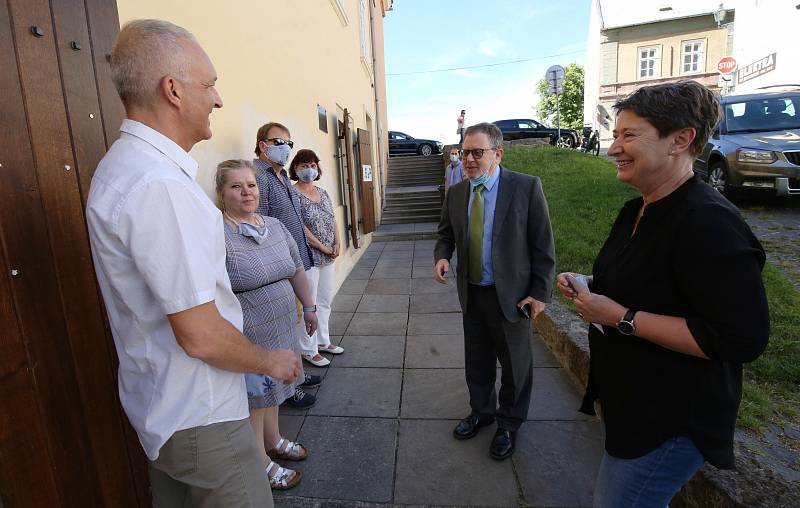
[[454, 172], [460, 130]]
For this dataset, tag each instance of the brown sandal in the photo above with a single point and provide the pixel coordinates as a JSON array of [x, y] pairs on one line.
[[288, 450], [283, 479]]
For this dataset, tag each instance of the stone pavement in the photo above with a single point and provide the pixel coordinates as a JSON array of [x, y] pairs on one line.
[[380, 433]]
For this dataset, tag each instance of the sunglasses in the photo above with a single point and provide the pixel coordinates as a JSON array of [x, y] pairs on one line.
[[477, 153], [280, 141]]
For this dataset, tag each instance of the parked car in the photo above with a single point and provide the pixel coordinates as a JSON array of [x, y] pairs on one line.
[[401, 143], [756, 145], [526, 128]]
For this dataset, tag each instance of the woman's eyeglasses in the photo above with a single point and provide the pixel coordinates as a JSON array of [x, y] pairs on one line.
[[280, 141], [477, 153]]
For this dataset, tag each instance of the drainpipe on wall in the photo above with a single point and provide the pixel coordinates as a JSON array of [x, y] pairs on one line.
[[378, 125]]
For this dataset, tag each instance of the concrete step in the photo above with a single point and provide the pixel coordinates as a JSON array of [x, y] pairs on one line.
[[409, 219], [412, 204], [415, 182], [420, 210]]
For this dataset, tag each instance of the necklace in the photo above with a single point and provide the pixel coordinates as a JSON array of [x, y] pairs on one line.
[[257, 220]]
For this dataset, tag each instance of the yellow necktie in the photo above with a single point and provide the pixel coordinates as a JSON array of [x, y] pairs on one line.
[[475, 267]]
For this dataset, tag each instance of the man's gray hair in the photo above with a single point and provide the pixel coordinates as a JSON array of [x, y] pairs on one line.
[[493, 132], [147, 50]]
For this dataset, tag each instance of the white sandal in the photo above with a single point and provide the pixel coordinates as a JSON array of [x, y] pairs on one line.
[[334, 350], [288, 450], [283, 479], [322, 362]]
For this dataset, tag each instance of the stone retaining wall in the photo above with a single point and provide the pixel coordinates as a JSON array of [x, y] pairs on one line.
[[755, 481]]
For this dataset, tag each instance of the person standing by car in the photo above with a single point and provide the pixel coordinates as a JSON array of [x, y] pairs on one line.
[[460, 130], [667, 340], [454, 172]]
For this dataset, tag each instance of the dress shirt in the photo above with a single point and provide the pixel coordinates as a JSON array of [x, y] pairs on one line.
[[489, 202], [159, 248]]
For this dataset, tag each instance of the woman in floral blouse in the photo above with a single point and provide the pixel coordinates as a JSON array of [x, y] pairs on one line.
[[318, 218]]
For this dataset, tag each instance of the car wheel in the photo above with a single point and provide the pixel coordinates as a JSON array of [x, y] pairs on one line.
[[718, 177], [565, 141], [425, 150]]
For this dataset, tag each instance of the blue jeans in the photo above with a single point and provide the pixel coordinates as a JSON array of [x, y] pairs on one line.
[[650, 480]]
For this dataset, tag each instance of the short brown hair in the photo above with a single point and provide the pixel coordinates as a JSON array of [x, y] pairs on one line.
[[670, 107], [491, 130], [261, 135], [304, 156]]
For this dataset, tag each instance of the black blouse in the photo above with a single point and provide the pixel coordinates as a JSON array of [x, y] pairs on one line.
[[694, 257]]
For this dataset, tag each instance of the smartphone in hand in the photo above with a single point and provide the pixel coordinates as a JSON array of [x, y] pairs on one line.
[[525, 310], [578, 284]]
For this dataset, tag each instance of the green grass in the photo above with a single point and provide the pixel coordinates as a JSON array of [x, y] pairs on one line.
[[585, 197]]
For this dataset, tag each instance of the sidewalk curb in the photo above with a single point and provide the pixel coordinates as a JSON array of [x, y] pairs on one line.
[[750, 484], [304, 502]]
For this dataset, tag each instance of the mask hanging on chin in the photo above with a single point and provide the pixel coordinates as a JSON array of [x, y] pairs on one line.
[[257, 233], [279, 154], [479, 180]]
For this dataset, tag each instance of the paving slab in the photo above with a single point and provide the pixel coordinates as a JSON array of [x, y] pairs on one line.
[[362, 392], [372, 351], [403, 255], [383, 303], [433, 468], [435, 351], [360, 273], [394, 263], [542, 357], [434, 393], [404, 245], [290, 424], [432, 324], [374, 323], [426, 272], [339, 466], [367, 261], [435, 303], [352, 287], [549, 453], [430, 286], [388, 287], [554, 397], [345, 303], [337, 324], [391, 272]]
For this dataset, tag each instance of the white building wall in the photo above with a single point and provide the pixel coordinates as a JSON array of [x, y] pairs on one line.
[[764, 27]]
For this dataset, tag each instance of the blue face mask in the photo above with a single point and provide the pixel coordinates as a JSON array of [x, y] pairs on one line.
[[307, 174], [279, 154], [479, 180], [259, 234]]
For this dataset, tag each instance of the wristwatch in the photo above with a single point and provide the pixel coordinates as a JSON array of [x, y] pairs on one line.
[[625, 325], [313, 308]]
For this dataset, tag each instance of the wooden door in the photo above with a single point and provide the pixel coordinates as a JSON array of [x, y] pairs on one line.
[[366, 179], [64, 440], [349, 163]]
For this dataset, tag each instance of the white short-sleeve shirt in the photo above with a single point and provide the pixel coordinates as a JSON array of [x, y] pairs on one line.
[[159, 248]]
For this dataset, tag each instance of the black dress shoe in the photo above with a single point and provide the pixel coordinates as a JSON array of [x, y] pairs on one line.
[[470, 425], [502, 444]]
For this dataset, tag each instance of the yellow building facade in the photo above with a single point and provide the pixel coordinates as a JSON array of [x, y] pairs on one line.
[[303, 64]]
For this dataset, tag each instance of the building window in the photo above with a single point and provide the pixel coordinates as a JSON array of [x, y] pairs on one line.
[[338, 8], [694, 56], [650, 62], [363, 30]]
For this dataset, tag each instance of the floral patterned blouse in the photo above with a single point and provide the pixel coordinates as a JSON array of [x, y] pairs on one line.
[[318, 217]]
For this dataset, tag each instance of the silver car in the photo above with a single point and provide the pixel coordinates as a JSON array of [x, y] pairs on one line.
[[756, 145]]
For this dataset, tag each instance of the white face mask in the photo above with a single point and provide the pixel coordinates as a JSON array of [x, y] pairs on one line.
[[259, 234], [279, 154], [453, 158]]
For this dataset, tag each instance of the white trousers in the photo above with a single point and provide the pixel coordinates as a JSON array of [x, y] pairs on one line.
[[320, 283]]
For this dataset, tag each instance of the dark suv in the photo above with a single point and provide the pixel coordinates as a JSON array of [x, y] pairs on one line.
[[403, 144], [756, 145], [525, 128]]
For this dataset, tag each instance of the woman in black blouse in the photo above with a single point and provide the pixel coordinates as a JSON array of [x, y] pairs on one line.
[[676, 302]]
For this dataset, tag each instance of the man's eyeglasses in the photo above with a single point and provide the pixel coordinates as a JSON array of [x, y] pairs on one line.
[[477, 153], [280, 141]]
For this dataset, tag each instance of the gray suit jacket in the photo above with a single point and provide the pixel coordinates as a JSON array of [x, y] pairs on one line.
[[523, 253]]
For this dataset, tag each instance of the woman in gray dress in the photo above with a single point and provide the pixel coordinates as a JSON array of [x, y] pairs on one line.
[[266, 272]]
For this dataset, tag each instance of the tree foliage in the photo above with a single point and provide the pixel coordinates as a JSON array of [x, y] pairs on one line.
[[571, 101]]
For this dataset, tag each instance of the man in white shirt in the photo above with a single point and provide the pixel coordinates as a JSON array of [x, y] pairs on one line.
[[159, 253]]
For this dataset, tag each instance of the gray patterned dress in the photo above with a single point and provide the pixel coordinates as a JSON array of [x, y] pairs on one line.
[[260, 276], [318, 218]]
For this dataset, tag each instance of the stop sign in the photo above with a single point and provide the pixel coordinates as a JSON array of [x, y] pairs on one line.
[[726, 65]]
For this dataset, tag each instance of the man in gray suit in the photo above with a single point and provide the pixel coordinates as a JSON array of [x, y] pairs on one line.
[[497, 222]]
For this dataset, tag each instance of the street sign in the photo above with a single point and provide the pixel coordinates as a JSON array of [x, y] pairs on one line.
[[726, 65], [555, 79]]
